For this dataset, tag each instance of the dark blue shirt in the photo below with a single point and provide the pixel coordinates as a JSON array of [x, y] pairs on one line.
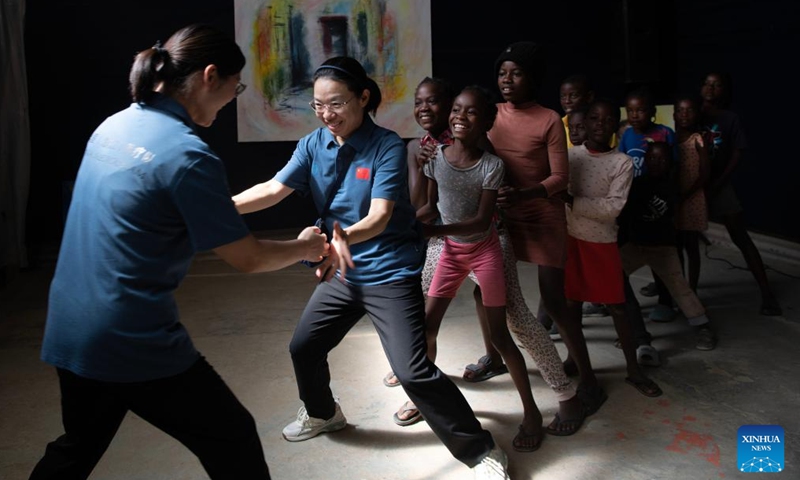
[[377, 170], [148, 195], [635, 144]]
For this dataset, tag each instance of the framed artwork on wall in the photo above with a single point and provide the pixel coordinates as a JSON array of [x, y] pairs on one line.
[[286, 40]]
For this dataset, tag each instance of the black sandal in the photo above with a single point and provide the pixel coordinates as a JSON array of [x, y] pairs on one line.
[[592, 398], [520, 442], [572, 424], [483, 370]]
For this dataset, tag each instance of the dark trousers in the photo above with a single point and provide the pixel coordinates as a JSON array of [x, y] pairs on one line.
[[195, 407], [664, 297], [398, 312], [633, 312]]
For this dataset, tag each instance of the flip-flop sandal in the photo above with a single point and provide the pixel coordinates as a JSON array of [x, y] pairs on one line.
[[592, 398], [483, 370], [573, 425], [521, 442], [387, 380], [647, 355], [647, 387], [408, 407]]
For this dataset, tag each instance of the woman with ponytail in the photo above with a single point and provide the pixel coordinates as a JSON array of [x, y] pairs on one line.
[[148, 195]]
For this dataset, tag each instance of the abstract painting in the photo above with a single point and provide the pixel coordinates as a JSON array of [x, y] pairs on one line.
[[286, 40]]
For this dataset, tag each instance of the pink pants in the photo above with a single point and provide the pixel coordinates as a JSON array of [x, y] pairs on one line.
[[484, 258]]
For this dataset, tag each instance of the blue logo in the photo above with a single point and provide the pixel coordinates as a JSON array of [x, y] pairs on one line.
[[760, 448]]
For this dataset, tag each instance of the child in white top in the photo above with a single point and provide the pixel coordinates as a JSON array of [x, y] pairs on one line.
[[600, 178]]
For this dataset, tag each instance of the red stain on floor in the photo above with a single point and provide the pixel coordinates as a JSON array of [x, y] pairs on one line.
[[702, 445], [665, 422], [663, 403], [689, 418], [621, 436]]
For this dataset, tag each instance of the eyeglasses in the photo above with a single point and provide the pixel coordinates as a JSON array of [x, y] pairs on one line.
[[335, 107], [240, 87]]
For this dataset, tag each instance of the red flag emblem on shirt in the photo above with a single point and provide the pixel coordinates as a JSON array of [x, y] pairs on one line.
[[362, 173]]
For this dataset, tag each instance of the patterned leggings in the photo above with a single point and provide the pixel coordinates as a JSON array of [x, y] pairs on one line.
[[521, 321]]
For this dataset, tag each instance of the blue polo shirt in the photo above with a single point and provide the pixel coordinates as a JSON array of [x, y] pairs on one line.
[[148, 195], [377, 170]]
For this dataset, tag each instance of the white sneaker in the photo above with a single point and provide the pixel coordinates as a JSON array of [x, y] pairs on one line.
[[306, 427], [493, 466]]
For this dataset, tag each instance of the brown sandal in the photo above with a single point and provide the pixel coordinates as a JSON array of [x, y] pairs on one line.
[[415, 417]]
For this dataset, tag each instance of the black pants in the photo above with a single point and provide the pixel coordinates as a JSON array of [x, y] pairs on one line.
[[633, 312], [195, 407], [398, 312]]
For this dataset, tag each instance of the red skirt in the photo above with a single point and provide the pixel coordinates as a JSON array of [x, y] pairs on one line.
[[593, 272]]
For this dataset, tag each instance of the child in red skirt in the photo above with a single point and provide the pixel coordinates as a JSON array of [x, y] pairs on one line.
[[600, 179]]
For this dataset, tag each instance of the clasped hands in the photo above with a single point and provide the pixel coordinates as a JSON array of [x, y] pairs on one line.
[[335, 255]]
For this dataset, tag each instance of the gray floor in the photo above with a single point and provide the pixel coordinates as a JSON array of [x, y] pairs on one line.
[[243, 324]]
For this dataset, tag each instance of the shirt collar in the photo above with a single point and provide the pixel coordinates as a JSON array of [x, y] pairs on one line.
[[167, 104], [445, 138], [359, 139]]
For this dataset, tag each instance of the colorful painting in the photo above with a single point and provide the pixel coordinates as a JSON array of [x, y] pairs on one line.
[[285, 40]]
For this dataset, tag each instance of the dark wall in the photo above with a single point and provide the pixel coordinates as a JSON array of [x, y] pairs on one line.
[[79, 54]]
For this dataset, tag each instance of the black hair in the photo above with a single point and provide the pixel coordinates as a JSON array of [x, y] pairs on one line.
[[578, 78], [687, 97], [448, 93], [189, 50], [660, 143], [582, 110], [349, 71], [485, 96], [615, 110], [644, 94]]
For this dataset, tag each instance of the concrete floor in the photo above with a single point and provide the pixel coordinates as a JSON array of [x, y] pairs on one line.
[[243, 324]]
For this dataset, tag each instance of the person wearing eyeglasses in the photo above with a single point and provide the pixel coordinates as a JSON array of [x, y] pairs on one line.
[[148, 195], [372, 213]]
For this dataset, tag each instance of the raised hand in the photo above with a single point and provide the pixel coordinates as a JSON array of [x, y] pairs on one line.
[[425, 154]]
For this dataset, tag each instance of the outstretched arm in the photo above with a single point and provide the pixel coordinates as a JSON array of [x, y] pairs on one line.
[[374, 223], [251, 255], [380, 212], [261, 196]]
